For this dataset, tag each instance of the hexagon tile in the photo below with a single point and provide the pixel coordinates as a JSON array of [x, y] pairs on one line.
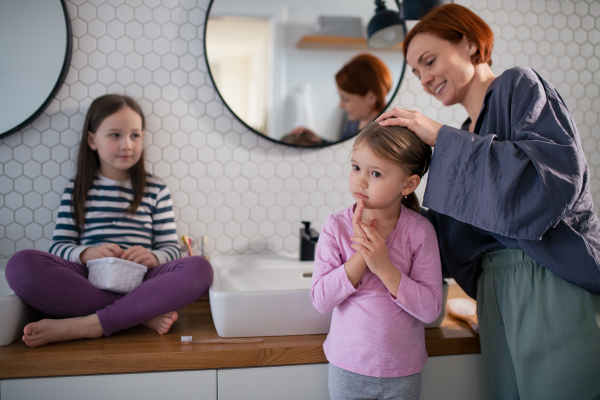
[[246, 193]]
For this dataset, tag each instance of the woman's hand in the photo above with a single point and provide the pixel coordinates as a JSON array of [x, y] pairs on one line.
[[375, 252], [140, 255], [105, 250], [426, 129]]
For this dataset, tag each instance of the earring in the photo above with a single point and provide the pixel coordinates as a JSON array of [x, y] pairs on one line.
[[471, 52]]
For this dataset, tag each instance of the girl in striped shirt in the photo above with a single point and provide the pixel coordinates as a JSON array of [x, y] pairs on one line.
[[111, 209]]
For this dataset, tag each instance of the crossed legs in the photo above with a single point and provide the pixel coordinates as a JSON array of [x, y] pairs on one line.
[[60, 287]]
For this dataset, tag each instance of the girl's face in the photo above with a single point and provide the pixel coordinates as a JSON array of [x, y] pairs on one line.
[[445, 69], [357, 107], [379, 183], [119, 142]]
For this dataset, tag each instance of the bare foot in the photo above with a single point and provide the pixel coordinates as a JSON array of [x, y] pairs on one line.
[[59, 330], [162, 323]]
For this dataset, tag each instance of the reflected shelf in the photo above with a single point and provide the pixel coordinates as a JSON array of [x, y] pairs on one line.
[[321, 42]]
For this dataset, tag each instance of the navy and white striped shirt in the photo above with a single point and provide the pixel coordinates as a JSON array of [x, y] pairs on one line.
[[106, 221]]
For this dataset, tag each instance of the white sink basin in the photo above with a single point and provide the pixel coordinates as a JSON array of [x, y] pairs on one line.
[[269, 295], [264, 295], [14, 313]]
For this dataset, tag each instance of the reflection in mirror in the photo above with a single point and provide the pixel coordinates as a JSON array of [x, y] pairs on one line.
[[35, 49], [239, 63], [276, 71]]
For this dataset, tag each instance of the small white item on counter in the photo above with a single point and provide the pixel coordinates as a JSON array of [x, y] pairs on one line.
[[116, 274], [188, 340], [466, 310]]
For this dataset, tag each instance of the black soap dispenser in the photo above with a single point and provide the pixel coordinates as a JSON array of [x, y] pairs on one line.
[[308, 241]]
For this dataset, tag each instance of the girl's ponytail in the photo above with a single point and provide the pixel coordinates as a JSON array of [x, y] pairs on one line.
[[412, 202]]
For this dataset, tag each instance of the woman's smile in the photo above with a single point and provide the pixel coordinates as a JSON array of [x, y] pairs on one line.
[[440, 88]]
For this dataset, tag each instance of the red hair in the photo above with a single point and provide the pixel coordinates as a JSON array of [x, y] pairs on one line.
[[451, 22], [363, 73]]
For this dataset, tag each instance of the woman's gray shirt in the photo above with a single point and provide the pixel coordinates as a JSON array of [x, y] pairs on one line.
[[519, 181]]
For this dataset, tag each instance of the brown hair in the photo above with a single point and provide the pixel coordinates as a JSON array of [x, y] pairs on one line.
[[402, 147], [88, 162], [451, 22], [363, 73]]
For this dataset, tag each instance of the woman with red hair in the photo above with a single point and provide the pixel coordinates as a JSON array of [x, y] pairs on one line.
[[362, 85], [509, 195]]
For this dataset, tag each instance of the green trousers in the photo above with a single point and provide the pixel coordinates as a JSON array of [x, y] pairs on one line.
[[540, 335]]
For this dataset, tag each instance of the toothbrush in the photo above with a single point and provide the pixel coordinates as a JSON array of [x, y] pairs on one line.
[[186, 240], [204, 240], [188, 340], [189, 243]]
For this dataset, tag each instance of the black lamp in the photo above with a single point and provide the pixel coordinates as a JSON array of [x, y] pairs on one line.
[[386, 28], [416, 9]]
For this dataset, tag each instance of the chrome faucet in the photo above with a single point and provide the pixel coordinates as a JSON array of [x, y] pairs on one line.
[[308, 241]]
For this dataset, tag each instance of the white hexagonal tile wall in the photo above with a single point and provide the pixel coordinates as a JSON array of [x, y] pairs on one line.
[[246, 193]]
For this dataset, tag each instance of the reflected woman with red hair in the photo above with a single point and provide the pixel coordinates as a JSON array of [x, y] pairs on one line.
[[509, 195], [362, 85]]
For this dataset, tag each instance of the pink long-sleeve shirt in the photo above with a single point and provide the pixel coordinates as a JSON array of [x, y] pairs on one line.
[[372, 333]]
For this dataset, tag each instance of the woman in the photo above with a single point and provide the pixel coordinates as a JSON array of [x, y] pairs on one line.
[[362, 85], [509, 195]]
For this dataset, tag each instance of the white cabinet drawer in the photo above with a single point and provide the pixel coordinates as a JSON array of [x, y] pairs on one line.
[[293, 382], [458, 377], [180, 385]]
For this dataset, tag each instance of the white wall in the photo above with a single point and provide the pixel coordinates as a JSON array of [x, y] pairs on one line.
[[247, 193]]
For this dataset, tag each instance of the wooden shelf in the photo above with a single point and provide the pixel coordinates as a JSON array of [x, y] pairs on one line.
[[340, 43]]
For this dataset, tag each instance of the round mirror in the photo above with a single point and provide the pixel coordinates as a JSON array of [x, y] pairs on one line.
[[274, 64], [36, 52]]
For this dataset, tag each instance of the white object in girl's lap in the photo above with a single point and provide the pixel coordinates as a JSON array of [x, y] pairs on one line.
[[465, 309], [116, 274]]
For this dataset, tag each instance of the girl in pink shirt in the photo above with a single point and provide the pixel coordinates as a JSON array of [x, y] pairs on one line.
[[377, 266]]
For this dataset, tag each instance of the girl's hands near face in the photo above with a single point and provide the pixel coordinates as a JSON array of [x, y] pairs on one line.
[[357, 220], [105, 250], [375, 252], [373, 249], [140, 255], [426, 129]]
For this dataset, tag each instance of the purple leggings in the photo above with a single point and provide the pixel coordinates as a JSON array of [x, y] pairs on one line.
[[59, 287]]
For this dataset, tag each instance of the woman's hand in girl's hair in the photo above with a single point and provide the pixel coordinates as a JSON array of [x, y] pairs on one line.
[[426, 129], [105, 250], [357, 220], [140, 255]]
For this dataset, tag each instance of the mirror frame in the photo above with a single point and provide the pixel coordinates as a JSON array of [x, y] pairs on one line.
[[317, 146], [59, 81]]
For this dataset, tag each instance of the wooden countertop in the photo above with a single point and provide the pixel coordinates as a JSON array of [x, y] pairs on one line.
[[141, 350]]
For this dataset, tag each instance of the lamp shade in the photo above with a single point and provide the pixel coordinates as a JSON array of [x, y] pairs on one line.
[[416, 9], [386, 28]]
